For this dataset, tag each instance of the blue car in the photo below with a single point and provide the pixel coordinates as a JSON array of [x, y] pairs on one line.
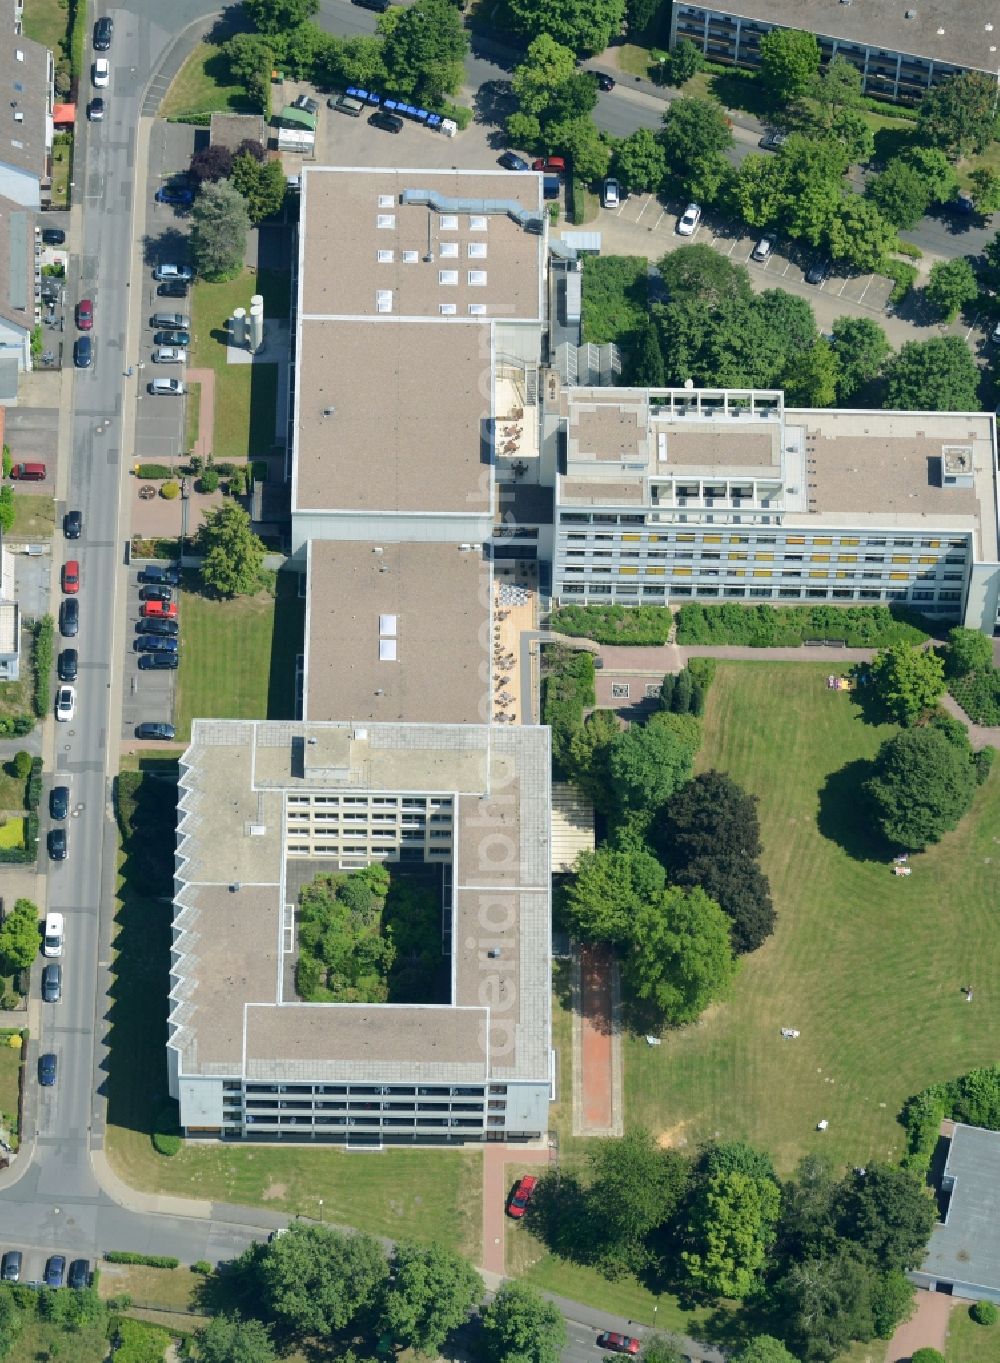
[[47, 1069], [83, 352], [155, 643], [55, 1271], [175, 194]]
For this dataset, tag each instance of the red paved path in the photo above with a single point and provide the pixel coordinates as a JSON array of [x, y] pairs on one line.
[[502, 1164], [927, 1328], [595, 1037]]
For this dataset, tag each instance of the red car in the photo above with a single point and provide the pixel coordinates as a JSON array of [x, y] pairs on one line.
[[521, 1196], [552, 165], [71, 576], [618, 1344], [162, 609], [85, 314]]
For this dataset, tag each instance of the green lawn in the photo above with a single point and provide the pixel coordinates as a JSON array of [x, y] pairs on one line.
[[10, 1069], [238, 657], [62, 166], [12, 788], [12, 832], [45, 22], [39, 1342], [15, 696], [34, 517], [245, 395], [969, 1342], [192, 415], [202, 86], [868, 967]]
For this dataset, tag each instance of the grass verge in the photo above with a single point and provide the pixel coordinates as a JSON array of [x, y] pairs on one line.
[[62, 166], [12, 832], [864, 965], [203, 86], [969, 1342], [45, 22], [34, 517], [166, 1289], [38, 1340], [238, 657], [192, 416], [10, 1078]]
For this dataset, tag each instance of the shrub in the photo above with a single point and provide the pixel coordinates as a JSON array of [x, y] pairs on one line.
[[983, 761], [614, 624], [926, 1356], [8, 461], [576, 201], [978, 693], [984, 1313], [459, 112], [43, 649], [167, 1143], [788, 626], [567, 689], [202, 1266], [170, 490], [28, 852], [33, 795], [7, 509], [122, 1256], [16, 726], [902, 275], [153, 471], [208, 480], [908, 248], [22, 765]]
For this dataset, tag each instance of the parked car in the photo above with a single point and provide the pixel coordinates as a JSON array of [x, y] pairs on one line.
[[150, 728], [604, 81], [171, 388], [551, 165], [170, 354], [71, 576], [103, 32], [47, 1069], [57, 844], [511, 161], [59, 802], [100, 73], [166, 609], [160, 662], [389, 123], [521, 1196], [306, 102], [155, 593], [65, 703], [54, 935], [687, 223], [173, 272], [53, 236], [763, 249], [380, 6], [612, 194], [55, 1270], [773, 139], [96, 109], [155, 643], [172, 320], [10, 1266], [79, 1274], [180, 195], [172, 288], [73, 525], [69, 617], [153, 572], [168, 339], [83, 352], [52, 983], [618, 1344], [68, 665], [818, 272], [85, 314], [346, 104], [28, 473], [165, 629]]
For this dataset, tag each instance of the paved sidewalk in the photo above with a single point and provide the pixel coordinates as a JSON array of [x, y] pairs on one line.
[[980, 735], [497, 1183]]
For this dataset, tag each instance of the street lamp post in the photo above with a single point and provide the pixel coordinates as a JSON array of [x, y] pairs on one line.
[[321, 1211]]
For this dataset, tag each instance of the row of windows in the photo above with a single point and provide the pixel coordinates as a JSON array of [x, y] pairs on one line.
[[233, 1086], [706, 536], [592, 590], [766, 556], [623, 570]]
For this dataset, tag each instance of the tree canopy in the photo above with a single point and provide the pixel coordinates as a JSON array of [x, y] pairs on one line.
[[640, 162], [636, 1187], [19, 936], [939, 375], [424, 48], [862, 348], [907, 680], [695, 138], [959, 114], [951, 285], [888, 1212], [219, 230], [681, 958], [261, 184], [608, 888], [233, 554], [278, 17], [969, 650], [789, 62], [730, 1225], [649, 761], [520, 1326], [430, 1293], [764, 1349], [318, 1281], [586, 26], [922, 784], [230, 1339]]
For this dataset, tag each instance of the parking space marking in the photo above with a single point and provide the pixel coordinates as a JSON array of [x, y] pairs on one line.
[[663, 214], [871, 280], [649, 200]]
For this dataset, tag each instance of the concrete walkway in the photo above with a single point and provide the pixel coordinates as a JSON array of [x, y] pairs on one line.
[[927, 1328], [205, 443], [980, 735]]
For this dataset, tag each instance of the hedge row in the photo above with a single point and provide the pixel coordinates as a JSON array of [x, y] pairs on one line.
[[614, 624], [153, 471], [973, 1098], [77, 38], [22, 856], [16, 726], [42, 655], [122, 1256], [33, 795], [567, 689], [978, 693], [789, 626], [903, 276]]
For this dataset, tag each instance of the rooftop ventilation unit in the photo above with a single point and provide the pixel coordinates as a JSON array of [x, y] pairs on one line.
[[235, 886], [360, 735]]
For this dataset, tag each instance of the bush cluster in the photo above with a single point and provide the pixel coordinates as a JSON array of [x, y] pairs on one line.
[[903, 276], [33, 794], [16, 726], [153, 471], [978, 693], [123, 1256], [984, 1313], [789, 626], [42, 654], [973, 1098], [567, 690], [22, 856], [614, 624], [686, 692]]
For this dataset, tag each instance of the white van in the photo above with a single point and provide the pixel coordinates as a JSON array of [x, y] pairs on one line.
[[54, 928]]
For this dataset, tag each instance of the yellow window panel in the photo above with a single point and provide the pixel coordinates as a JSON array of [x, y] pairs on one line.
[[653, 539], [841, 574], [685, 539], [847, 558], [738, 539], [900, 558], [819, 574], [764, 558], [820, 558], [796, 539], [739, 572], [848, 540], [739, 558], [655, 572], [632, 538], [822, 539], [762, 572], [628, 572], [934, 544], [682, 572], [713, 539], [929, 559], [899, 577]]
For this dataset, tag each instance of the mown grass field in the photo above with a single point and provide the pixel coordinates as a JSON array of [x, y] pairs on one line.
[[203, 86], [868, 967], [969, 1342], [238, 657]]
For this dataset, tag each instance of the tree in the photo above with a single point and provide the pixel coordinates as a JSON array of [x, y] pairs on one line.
[[589, 756], [888, 1212], [279, 17], [210, 164], [695, 137], [520, 1326], [711, 816], [316, 1280], [899, 192], [737, 1157], [959, 115], [921, 786], [547, 66], [759, 190], [360, 61], [586, 26], [764, 1349], [825, 1303], [951, 285], [697, 273], [892, 1303], [680, 959], [251, 59], [22, 765], [219, 231], [985, 190], [636, 1188], [646, 359], [431, 1292], [730, 1226], [233, 554], [262, 186], [926, 1355], [939, 375], [789, 61], [854, 133], [811, 377], [968, 651], [742, 892], [686, 60], [862, 348], [907, 680], [424, 48], [607, 889], [7, 508], [836, 90], [639, 161], [303, 50], [807, 1226], [649, 761], [658, 1349], [587, 148], [858, 234], [229, 1339], [19, 936], [811, 171]]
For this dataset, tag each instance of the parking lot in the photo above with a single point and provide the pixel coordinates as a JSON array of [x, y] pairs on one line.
[[147, 695]]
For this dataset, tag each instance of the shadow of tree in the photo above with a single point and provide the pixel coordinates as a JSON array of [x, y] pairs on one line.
[[844, 815], [494, 101]]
